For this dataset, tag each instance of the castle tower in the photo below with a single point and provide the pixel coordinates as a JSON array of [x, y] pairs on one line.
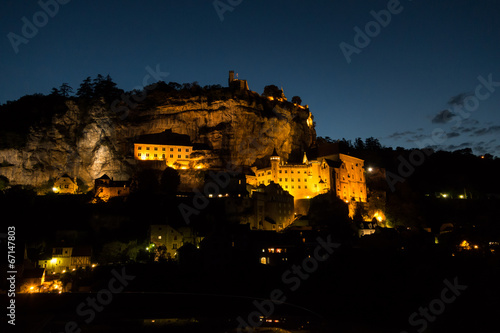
[[275, 162], [231, 78]]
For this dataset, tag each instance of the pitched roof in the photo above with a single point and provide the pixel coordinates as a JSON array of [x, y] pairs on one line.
[[275, 153]]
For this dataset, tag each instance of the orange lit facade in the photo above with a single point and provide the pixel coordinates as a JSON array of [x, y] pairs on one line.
[[65, 185], [341, 173], [173, 155]]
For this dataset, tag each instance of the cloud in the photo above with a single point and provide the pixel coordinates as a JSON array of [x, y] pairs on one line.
[[459, 99], [452, 135], [486, 130], [443, 117], [399, 135]]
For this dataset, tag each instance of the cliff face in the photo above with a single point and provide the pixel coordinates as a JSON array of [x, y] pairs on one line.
[[89, 142]]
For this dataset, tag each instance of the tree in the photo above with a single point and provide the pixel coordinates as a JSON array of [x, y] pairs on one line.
[[169, 180], [86, 90], [65, 90], [296, 100], [359, 144], [372, 144], [272, 91]]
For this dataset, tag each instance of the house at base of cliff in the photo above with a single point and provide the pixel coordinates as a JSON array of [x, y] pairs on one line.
[[65, 185], [66, 259], [173, 149], [107, 188]]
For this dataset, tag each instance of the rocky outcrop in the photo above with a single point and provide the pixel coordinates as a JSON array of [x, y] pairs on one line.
[[89, 142]]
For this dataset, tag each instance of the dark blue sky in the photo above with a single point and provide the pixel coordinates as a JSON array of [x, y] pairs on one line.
[[427, 59]]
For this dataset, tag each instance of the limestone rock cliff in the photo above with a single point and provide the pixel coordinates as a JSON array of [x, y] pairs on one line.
[[87, 142]]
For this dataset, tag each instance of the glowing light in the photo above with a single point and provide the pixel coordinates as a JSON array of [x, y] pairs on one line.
[[64, 271], [370, 169], [53, 260], [54, 189], [147, 249], [465, 245], [461, 196], [31, 288], [444, 195], [476, 247], [93, 265]]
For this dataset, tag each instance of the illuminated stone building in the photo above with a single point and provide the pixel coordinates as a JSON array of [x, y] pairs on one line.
[[341, 173], [66, 259], [65, 185], [174, 149], [107, 188]]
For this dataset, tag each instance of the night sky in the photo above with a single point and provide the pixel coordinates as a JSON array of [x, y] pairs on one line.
[[409, 81]]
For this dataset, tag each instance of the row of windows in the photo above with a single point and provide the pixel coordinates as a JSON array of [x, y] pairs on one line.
[[162, 155], [280, 171], [292, 179], [163, 149]]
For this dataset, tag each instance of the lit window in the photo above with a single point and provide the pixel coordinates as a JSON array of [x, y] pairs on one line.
[[263, 260]]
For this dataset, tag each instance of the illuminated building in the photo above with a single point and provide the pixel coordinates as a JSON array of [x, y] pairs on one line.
[[341, 173], [66, 259], [170, 148], [106, 188], [65, 185]]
